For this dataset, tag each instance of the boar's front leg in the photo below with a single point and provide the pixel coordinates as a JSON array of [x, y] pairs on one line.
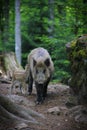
[[45, 89], [30, 84], [44, 92], [39, 89]]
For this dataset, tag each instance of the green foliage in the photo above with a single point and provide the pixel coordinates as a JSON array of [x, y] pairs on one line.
[[49, 25], [1, 47]]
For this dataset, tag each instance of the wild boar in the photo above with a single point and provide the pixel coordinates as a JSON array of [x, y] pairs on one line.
[[40, 72]]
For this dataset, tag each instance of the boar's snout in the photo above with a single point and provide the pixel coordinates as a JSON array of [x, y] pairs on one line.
[[40, 80]]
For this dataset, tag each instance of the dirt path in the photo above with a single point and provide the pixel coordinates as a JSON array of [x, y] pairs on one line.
[[57, 97]]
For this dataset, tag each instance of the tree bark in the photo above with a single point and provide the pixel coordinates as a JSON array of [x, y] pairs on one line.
[[51, 17], [11, 64], [17, 31], [4, 23]]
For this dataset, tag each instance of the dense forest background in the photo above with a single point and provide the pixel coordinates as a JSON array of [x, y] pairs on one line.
[[44, 23]]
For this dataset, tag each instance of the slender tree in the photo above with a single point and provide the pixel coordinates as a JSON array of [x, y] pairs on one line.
[[84, 12], [51, 17], [4, 22], [17, 31]]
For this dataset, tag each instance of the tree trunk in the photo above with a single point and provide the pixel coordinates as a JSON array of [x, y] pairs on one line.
[[84, 14], [51, 17], [4, 23], [17, 31], [77, 52], [11, 64]]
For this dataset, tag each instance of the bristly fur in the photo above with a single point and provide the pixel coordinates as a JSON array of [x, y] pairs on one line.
[[40, 71]]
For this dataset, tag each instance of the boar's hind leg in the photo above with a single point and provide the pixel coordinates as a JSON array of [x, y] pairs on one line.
[[30, 84]]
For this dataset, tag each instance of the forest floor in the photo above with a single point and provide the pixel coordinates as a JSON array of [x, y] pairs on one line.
[[58, 95]]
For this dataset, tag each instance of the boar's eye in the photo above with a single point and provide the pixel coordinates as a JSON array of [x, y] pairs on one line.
[[47, 62], [44, 70], [34, 62], [36, 71]]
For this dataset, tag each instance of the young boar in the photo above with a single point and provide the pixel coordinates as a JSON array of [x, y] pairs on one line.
[[40, 72]]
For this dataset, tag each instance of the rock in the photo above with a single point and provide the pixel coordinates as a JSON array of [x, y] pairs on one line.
[[72, 101], [54, 111], [70, 104], [57, 110], [58, 88], [63, 108], [81, 118]]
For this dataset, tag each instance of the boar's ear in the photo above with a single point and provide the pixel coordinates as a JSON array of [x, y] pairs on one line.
[[47, 62], [34, 62]]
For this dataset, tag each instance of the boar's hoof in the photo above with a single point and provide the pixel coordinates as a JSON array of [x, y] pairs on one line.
[[44, 98], [38, 102], [29, 93]]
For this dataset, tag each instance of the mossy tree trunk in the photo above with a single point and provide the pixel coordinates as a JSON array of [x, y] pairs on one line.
[[77, 52]]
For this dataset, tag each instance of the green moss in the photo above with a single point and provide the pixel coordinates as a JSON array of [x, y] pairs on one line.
[[73, 44], [78, 58], [82, 53], [78, 51]]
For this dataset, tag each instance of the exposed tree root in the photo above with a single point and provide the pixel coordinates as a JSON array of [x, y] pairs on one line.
[[79, 113], [15, 114]]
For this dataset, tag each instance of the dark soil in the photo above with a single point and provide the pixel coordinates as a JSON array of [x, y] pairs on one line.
[[57, 97]]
